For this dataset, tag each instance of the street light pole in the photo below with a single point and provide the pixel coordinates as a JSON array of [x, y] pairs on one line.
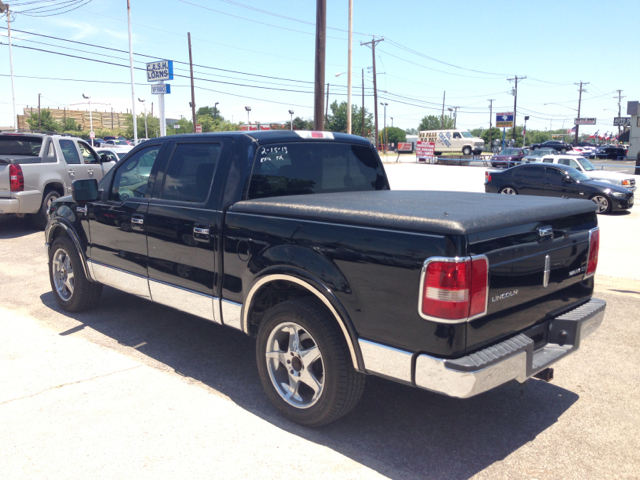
[[248, 109], [349, 127], [90, 118], [291, 113], [215, 110], [385, 125], [5, 9], [146, 132], [133, 88]]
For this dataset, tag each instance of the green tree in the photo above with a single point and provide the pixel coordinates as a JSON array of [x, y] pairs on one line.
[[185, 126], [411, 131], [337, 121], [213, 112], [301, 124], [394, 135], [434, 122], [68, 124], [47, 122], [153, 126]]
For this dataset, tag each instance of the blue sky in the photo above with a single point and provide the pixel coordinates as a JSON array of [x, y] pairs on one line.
[[466, 48]]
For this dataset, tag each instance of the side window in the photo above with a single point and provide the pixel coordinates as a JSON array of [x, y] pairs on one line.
[[564, 161], [49, 153], [132, 177], [190, 172], [456, 135], [70, 152], [554, 176], [530, 174], [574, 164], [547, 160], [88, 155], [112, 156]]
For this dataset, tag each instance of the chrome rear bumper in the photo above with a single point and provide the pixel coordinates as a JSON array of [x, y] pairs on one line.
[[511, 359]]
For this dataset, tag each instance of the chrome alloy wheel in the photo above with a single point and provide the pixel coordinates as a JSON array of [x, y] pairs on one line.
[[63, 277], [602, 203], [508, 191], [295, 365]]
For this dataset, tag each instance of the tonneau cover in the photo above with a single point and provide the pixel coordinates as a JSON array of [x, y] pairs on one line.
[[434, 212]]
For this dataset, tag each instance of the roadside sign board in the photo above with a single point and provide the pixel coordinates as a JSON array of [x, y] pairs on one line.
[[248, 128], [198, 128], [405, 147], [504, 120], [425, 149], [265, 127], [584, 121], [621, 121], [176, 126], [92, 134], [160, 71], [160, 88]]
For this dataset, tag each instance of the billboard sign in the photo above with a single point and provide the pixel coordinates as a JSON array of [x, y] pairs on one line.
[[621, 121], [405, 147], [160, 71], [425, 149], [504, 120], [198, 128], [584, 121], [160, 88]]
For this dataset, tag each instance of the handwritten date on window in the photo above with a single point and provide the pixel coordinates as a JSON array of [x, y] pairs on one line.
[[270, 154]]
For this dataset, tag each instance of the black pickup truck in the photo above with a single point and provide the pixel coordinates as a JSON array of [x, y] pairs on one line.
[[296, 238]]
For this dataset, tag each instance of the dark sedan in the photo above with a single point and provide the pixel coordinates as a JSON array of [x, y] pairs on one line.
[[552, 180], [557, 145], [509, 157], [610, 152]]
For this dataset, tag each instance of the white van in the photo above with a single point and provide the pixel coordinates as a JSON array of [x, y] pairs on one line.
[[453, 141]]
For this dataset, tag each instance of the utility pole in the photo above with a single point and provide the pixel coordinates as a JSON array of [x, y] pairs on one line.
[[349, 126], [455, 117], [579, 103], [193, 95], [321, 44], [133, 88], [39, 120], [442, 116], [326, 110], [5, 8], [515, 102], [491, 100], [363, 134], [375, 84], [620, 97]]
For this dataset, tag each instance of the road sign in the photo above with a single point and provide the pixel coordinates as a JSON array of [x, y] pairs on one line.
[[584, 121], [425, 149], [621, 121], [159, 71], [176, 126], [504, 120], [198, 128], [92, 134], [160, 88]]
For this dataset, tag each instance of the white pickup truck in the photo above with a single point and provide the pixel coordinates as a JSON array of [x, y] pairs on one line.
[[35, 169]]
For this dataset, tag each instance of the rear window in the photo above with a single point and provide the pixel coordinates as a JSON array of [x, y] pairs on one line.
[[305, 168], [16, 145]]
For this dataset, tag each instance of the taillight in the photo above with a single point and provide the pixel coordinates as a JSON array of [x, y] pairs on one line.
[[454, 289], [487, 177], [592, 255], [16, 178]]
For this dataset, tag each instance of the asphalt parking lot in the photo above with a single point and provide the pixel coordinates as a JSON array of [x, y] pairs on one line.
[[133, 389]]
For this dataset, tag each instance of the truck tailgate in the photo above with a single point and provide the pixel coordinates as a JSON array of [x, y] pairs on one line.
[[518, 256]]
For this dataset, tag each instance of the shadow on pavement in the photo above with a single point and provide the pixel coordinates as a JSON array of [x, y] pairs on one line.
[[14, 227], [399, 431]]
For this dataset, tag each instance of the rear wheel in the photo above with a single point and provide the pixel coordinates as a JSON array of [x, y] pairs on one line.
[[304, 364], [603, 203], [508, 191], [41, 218], [466, 151], [564, 150], [71, 288]]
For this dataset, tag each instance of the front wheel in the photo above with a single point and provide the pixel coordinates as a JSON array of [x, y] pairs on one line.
[[603, 203], [508, 191], [71, 288], [466, 151], [304, 364]]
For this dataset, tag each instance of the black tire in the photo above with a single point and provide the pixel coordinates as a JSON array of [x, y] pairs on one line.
[[41, 218], [466, 151], [603, 202], [508, 191], [341, 386], [84, 294]]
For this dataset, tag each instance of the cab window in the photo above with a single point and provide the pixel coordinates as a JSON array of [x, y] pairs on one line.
[[70, 152], [456, 135], [132, 177], [190, 172], [88, 155], [554, 176]]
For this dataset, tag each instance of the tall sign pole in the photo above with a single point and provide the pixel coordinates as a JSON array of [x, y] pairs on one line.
[[515, 102], [5, 9], [133, 88], [349, 128], [321, 40], [579, 103], [193, 95], [490, 120]]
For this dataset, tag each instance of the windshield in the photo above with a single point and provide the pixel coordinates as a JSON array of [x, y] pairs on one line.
[[118, 142], [586, 164], [466, 135], [510, 151], [121, 154], [17, 145], [303, 168], [577, 175]]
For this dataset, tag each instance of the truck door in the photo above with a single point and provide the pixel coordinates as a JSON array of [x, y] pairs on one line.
[[181, 227], [117, 224], [76, 169], [91, 159]]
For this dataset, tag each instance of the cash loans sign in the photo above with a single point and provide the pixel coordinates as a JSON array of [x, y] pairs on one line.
[[160, 71]]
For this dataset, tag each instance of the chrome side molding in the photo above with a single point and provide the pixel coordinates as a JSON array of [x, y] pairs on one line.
[[122, 280], [386, 361], [183, 299]]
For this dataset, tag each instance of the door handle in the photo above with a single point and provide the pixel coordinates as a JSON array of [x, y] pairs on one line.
[[201, 232], [71, 173], [137, 221], [90, 172]]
